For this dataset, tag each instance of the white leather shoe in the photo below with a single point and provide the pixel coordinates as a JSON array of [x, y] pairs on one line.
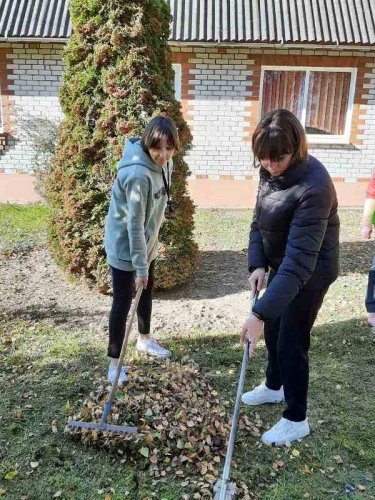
[[112, 372], [286, 431], [262, 394], [152, 348]]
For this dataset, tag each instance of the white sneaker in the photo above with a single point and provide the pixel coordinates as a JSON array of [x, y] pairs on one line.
[[112, 373], [262, 394], [286, 431], [151, 347]]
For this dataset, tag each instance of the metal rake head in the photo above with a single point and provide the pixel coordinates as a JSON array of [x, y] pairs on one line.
[[103, 427]]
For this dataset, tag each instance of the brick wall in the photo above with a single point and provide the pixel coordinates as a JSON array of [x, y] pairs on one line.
[[31, 75], [222, 103], [220, 100]]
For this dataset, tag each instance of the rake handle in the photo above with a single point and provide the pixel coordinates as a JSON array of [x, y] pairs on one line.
[[236, 416]]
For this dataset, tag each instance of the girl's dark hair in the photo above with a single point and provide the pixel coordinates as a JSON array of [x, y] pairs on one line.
[[279, 133], [158, 128]]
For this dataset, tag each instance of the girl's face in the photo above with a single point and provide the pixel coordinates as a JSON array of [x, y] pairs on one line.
[[276, 168], [161, 154]]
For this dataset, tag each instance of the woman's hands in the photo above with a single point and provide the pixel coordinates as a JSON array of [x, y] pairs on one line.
[[251, 331], [252, 327], [257, 279], [141, 281], [366, 230]]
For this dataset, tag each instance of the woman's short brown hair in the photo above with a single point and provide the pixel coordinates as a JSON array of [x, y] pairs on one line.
[[158, 128], [279, 133]]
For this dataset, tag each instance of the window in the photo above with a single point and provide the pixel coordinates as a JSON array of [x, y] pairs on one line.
[[322, 98], [177, 81]]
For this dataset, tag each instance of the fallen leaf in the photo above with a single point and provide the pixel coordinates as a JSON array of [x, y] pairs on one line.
[[295, 453], [34, 465], [2, 492], [338, 459], [306, 470], [54, 426], [19, 414], [360, 487], [57, 494], [144, 452], [368, 476], [277, 464], [10, 475]]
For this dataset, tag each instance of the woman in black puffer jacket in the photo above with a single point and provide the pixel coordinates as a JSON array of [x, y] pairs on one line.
[[295, 236]]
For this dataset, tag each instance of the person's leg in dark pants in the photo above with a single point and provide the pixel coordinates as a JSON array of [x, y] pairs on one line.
[[293, 364], [146, 344], [123, 282], [123, 287], [271, 339], [145, 304], [370, 295], [293, 346]]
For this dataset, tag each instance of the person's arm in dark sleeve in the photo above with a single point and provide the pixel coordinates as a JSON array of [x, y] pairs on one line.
[[305, 238], [255, 251]]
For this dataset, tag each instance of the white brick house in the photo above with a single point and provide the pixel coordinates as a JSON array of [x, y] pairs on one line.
[[231, 66]]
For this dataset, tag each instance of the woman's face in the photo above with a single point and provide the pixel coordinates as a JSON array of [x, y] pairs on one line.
[[161, 154], [276, 168]]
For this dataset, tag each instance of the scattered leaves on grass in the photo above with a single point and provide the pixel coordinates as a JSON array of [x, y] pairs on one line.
[[182, 425]]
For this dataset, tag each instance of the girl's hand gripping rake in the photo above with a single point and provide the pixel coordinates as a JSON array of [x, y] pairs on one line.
[[223, 489]]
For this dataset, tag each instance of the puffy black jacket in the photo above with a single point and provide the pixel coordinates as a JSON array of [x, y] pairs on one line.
[[295, 234]]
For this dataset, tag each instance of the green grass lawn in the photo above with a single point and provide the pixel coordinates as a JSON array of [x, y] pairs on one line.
[[22, 226], [44, 373]]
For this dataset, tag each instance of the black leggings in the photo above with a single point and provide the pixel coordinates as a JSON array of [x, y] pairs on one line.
[[288, 341], [123, 291]]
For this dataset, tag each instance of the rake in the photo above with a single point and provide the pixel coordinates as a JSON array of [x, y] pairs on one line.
[[223, 488], [103, 425]]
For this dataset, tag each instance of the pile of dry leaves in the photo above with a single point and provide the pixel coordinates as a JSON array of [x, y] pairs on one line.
[[183, 427]]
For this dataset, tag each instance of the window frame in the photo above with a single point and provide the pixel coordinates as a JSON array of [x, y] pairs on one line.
[[317, 138], [177, 80]]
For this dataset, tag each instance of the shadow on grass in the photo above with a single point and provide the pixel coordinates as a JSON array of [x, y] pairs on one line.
[[59, 316], [220, 273]]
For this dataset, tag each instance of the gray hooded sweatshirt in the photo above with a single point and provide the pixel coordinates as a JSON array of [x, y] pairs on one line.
[[136, 210]]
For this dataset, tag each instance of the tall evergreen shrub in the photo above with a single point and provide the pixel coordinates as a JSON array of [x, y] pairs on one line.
[[118, 75]]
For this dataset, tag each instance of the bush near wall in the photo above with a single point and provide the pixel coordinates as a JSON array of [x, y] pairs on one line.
[[118, 75]]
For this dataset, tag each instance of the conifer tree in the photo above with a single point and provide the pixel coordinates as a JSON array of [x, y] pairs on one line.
[[118, 75]]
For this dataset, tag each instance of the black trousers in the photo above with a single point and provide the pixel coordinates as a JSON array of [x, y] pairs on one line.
[[288, 341], [370, 295], [123, 292]]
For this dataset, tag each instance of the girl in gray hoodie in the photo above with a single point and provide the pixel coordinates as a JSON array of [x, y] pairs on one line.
[[140, 196]]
